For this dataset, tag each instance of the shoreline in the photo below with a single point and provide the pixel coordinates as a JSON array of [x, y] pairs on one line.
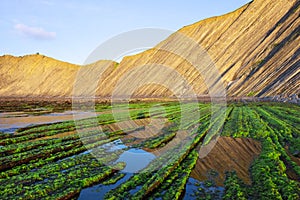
[[201, 99]]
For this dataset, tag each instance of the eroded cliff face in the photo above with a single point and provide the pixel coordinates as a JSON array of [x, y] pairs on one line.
[[255, 50], [35, 75], [41, 76]]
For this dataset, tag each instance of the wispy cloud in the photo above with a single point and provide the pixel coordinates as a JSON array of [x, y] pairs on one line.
[[34, 32], [46, 2]]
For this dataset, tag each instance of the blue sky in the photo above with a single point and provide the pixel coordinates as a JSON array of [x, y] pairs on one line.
[[70, 30]]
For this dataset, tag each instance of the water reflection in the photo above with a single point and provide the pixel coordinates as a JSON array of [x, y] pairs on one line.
[[11, 121]]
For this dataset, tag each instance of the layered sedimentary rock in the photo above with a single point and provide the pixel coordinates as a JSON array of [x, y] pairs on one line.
[[254, 51]]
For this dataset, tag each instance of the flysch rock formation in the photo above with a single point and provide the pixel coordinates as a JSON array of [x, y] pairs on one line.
[[252, 51]]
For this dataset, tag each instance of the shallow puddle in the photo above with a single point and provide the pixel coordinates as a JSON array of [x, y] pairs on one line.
[[135, 159], [10, 122], [195, 189], [227, 155]]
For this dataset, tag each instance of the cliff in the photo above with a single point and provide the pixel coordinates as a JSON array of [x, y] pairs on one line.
[[255, 50]]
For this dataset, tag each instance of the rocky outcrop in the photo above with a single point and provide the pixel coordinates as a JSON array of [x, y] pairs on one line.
[[255, 50], [39, 76], [282, 98]]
